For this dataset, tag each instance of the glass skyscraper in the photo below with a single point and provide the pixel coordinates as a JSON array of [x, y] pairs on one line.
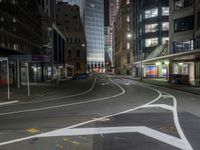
[[92, 12]]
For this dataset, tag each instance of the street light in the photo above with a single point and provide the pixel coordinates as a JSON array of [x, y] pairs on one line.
[[129, 35]]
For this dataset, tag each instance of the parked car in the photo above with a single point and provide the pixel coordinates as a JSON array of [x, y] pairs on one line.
[[81, 76]]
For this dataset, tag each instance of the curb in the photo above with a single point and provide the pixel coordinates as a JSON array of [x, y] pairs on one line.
[[171, 87]]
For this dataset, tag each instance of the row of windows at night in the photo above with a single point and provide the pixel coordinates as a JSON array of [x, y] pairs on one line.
[[153, 42], [73, 40], [179, 4], [78, 54], [184, 24], [154, 27], [150, 13], [185, 46]]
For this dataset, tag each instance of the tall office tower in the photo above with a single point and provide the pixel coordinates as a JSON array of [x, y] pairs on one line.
[[92, 13], [94, 27]]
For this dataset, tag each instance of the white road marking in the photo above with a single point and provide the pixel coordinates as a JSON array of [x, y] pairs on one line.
[[104, 83], [69, 96], [71, 104], [7, 103], [174, 141], [93, 120], [127, 83], [182, 143]]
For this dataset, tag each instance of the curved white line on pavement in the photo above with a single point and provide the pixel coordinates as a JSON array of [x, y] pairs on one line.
[[71, 104], [7, 103], [93, 120], [69, 96]]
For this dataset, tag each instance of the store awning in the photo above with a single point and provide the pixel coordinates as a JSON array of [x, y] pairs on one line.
[[190, 55]]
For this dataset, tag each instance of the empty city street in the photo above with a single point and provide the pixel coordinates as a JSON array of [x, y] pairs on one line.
[[103, 113]]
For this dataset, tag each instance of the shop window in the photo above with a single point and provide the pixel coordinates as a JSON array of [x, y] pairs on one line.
[[165, 26], [151, 13], [151, 28], [165, 11], [184, 24], [151, 42]]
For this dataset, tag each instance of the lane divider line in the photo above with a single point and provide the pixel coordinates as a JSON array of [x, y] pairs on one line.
[[93, 120], [7, 103], [71, 104]]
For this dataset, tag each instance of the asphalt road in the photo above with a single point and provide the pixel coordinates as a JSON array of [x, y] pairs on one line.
[[103, 113]]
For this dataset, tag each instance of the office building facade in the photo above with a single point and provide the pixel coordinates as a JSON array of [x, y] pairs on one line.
[[69, 22], [185, 40], [151, 30]]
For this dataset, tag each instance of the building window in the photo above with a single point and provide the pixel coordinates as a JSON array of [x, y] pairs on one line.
[[127, 2], [78, 55], [151, 28], [165, 40], [165, 11], [179, 4], [128, 18], [151, 42], [128, 46], [184, 24], [78, 66], [69, 53], [151, 13], [183, 46], [165, 26]]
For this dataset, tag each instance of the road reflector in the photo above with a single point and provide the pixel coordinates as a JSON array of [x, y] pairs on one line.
[[33, 130]]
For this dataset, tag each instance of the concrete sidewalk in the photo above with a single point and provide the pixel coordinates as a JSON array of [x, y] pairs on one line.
[[36, 89], [165, 83]]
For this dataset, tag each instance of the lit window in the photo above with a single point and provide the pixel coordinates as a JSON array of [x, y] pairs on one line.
[[127, 2], [165, 40], [151, 13], [165, 11], [151, 28], [165, 26], [128, 46], [128, 19], [151, 42], [92, 5]]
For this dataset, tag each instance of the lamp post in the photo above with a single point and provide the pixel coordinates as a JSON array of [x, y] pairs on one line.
[[141, 65]]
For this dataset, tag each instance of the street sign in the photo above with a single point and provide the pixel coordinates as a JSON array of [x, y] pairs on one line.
[[25, 58]]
